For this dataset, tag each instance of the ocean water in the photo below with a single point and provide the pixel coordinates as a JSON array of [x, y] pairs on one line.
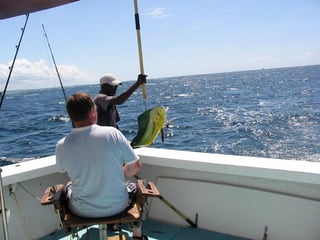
[[273, 113]]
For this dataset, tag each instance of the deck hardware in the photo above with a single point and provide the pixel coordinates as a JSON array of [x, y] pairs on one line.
[[4, 213], [12, 188], [196, 219], [74, 234], [265, 234]]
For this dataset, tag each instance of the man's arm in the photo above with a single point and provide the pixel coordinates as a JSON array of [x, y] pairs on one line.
[[117, 100], [130, 170]]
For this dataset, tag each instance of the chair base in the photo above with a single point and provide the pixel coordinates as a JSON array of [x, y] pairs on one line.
[[69, 222]]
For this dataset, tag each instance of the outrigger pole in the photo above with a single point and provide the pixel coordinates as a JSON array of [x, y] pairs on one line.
[[136, 16]]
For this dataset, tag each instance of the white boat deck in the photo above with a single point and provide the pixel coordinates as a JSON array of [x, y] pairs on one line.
[[153, 229]]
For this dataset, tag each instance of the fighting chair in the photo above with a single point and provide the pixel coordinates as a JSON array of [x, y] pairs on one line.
[[70, 223]]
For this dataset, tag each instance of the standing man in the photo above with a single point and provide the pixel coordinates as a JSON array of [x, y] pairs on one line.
[[107, 100], [97, 160]]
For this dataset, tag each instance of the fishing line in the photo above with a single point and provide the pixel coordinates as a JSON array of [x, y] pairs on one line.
[[14, 60], [28, 192]]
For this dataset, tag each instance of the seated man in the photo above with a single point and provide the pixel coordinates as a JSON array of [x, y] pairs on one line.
[[97, 160]]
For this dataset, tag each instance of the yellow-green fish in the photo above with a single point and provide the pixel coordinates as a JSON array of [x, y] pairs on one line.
[[150, 123]]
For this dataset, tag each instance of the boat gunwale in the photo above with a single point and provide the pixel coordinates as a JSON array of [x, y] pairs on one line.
[[262, 168]]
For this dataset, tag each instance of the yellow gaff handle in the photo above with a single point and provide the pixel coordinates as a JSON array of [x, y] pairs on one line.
[[136, 16]]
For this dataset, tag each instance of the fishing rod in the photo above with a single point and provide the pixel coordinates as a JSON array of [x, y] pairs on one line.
[[136, 16], [2, 94], [55, 65], [14, 60]]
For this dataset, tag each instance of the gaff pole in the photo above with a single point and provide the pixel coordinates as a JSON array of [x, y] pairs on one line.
[[136, 16], [177, 211]]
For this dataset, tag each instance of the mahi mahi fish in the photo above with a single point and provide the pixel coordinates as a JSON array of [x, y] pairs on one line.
[[150, 123]]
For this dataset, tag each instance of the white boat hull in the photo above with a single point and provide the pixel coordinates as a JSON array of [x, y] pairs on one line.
[[241, 196]]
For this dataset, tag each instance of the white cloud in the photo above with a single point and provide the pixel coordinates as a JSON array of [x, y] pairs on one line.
[[28, 75], [303, 57], [159, 12]]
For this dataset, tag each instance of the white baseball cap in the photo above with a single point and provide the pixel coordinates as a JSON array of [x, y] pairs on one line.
[[110, 79]]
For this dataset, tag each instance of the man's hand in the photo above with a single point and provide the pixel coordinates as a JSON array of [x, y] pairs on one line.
[[142, 79], [130, 170]]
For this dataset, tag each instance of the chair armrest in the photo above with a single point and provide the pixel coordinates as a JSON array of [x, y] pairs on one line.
[[52, 194], [147, 188]]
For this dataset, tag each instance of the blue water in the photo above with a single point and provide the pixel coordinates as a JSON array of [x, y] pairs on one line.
[[273, 113]]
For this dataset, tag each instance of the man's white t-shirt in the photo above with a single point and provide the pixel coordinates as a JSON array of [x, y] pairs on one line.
[[93, 157]]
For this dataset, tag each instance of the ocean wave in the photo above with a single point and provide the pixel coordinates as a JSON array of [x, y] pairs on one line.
[[267, 113]]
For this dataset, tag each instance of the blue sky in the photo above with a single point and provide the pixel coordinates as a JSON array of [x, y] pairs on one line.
[[92, 37]]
